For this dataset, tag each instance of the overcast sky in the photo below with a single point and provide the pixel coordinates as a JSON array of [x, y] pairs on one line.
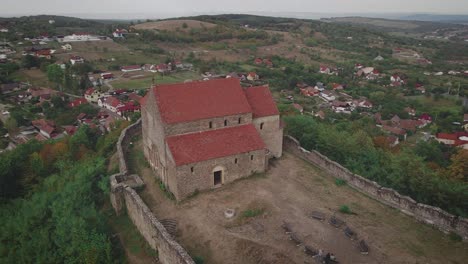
[[148, 7]]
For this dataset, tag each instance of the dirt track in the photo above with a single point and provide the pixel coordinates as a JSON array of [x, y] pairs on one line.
[[289, 191]]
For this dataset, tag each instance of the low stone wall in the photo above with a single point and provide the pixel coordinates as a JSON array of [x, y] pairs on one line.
[[123, 196], [429, 214]]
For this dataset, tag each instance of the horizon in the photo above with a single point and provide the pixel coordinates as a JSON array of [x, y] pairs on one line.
[[290, 14], [143, 9]]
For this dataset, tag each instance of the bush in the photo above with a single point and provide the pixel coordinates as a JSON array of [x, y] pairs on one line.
[[340, 182], [252, 212], [345, 209], [455, 237], [198, 260]]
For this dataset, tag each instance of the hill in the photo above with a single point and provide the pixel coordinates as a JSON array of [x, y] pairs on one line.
[[172, 25]]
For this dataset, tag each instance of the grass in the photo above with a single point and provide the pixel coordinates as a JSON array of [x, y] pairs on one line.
[[252, 212], [340, 182], [146, 82], [345, 209]]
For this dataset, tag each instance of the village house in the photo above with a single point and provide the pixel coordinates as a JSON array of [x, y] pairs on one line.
[[46, 128], [203, 134], [92, 95], [150, 68], [341, 107], [76, 59], [399, 132], [77, 102], [252, 76], [107, 75], [112, 103], [119, 33], [3, 30], [131, 68], [328, 70], [420, 88], [67, 47], [328, 95], [457, 139], [410, 111], [80, 36], [310, 91]]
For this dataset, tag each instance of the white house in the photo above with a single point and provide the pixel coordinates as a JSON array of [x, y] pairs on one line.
[[3, 30], [79, 37], [119, 33], [76, 59], [327, 95], [67, 47]]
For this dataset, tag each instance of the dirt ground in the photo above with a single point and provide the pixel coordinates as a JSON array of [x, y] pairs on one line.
[[289, 191], [174, 24]]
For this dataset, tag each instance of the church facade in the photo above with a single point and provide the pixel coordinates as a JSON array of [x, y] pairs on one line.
[[203, 134]]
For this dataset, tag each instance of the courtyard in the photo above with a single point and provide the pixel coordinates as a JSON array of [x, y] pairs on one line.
[[289, 192]]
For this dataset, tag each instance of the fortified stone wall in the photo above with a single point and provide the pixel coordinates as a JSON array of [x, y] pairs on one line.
[[428, 214], [124, 197]]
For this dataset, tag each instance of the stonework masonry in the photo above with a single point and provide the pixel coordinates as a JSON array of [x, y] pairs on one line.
[[233, 167], [428, 214], [123, 196]]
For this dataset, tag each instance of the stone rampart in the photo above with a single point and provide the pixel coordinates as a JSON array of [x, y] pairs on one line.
[[124, 197]]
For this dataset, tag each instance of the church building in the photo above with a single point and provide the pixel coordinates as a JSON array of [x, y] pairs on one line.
[[203, 134]]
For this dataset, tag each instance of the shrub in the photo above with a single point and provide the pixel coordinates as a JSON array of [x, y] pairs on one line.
[[345, 209], [455, 237], [340, 182], [198, 260], [252, 212]]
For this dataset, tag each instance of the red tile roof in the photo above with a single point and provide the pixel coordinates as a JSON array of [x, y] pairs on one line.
[[90, 91], [212, 144], [77, 102], [112, 101], [184, 102], [261, 101]]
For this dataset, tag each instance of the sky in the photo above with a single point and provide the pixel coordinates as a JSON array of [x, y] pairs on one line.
[[155, 8]]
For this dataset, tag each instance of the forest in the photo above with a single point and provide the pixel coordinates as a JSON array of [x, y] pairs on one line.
[[52, 196]]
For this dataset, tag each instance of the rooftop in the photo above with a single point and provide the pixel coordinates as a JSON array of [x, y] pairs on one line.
[[184, 102], [212, 144], [261, 101]]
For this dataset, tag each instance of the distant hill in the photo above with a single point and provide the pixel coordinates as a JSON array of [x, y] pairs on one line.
[[395, 25]]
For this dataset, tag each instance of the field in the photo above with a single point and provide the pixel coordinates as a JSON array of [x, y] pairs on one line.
[[146, 79], [290, 191], [174, 25]]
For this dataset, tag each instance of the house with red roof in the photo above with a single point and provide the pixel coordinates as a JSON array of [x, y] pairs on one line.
[[46, 128], [203, 134], [110, 102], [252, 76], [92, 95], [77, 102], [76, 59], [457, 139]]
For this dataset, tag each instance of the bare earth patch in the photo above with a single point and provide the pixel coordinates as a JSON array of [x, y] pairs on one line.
[[290, 191], [174, 24]]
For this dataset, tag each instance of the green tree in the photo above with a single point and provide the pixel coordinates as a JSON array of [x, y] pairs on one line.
[[55, 74]]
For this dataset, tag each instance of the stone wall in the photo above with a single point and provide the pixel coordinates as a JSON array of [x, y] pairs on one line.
[[124, 197], [233, 168], [428, 214]]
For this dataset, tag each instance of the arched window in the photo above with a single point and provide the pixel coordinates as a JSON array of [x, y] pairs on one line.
[[239, 120], [235, 161], [211, 124], [225, 122], [191, 169], [251, 157], [261, 126]]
